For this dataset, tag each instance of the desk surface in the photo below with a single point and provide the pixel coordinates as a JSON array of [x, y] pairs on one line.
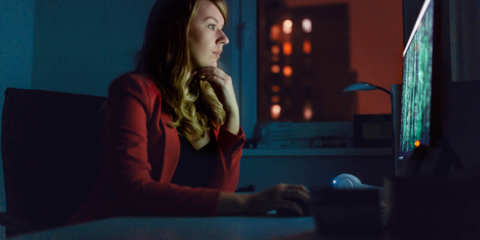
[[237, 227], [317, 152], [268, 226]]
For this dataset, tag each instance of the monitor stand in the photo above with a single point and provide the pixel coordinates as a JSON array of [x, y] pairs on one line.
[[432, 161], [457, 154]]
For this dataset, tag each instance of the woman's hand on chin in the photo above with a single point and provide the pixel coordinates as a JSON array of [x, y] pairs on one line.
[[222, 85]]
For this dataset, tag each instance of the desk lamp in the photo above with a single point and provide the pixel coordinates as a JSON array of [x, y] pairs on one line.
[[363, 86]]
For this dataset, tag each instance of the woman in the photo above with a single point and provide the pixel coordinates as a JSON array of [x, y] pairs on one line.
[[171, 133]]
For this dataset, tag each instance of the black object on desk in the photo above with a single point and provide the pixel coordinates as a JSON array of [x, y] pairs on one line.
[[286, 212], [433, 207], [372, 130], [347, 212]]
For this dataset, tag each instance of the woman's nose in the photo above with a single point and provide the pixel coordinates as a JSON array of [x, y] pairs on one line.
[[223, 39]]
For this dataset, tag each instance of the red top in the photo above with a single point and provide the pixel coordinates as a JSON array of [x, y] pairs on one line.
[[141, 155]]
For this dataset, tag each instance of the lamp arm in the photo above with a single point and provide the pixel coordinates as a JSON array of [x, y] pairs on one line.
[[379, 88], [385, 90]]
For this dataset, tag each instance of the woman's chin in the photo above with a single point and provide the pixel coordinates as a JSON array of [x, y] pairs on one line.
[[211, 64]]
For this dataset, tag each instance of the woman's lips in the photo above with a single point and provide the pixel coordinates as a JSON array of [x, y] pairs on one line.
[[217, 54]]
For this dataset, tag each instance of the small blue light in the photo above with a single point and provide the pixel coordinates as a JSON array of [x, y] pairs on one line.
[[334, 181]]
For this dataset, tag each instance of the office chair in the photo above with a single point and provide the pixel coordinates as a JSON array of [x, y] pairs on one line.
[[51, 150]]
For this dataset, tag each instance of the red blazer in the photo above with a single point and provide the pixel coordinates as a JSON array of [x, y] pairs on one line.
[[141, 155]]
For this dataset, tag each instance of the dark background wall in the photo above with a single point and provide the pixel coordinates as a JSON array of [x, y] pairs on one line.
[[16, 49], [465, 39], [81, 46], [68, 46]]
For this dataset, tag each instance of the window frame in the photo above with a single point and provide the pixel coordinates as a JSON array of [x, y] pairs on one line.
[[241, 59]]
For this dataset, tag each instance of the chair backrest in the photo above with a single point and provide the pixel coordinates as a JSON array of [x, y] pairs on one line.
[[51, 150]]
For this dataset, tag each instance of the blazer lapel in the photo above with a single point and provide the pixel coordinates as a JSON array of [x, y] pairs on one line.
[[172, 149]]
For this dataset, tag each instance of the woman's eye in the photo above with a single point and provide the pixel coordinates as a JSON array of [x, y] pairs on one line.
[[211, 26]]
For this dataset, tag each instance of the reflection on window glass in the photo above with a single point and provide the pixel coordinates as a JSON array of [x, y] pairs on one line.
[[275, 111], [275, 88], [307, 25], [275, 50], [287, 26], [307, 111], [309, 46], [287, 48], [275, 69], [275, 99], [287, 71], [275, 33]]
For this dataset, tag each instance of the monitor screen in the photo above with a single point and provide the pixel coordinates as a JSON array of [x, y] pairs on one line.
[[417, 83]]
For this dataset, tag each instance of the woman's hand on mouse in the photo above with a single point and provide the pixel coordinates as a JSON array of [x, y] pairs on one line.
[[275, 198], [222, 85]]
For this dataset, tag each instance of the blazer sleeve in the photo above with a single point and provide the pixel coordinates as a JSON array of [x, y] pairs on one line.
[[227, 173], [127, 160]]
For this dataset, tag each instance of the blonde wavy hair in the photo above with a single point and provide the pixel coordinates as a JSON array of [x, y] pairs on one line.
[[165, 58]]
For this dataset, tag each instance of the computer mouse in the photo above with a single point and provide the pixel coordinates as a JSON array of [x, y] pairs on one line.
[[286, 212], [348, 181]]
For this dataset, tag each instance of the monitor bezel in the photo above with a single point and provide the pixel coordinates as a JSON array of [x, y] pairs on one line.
[[417, 24], [408, 154]]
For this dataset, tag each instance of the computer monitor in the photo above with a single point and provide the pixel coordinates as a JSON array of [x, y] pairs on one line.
[[416, 104]]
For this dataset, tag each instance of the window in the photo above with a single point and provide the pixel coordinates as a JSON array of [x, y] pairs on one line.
[[291, 59], [314, 60]]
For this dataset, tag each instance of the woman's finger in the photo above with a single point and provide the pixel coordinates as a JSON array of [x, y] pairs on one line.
[[300, 188], [213, 71], [304, 188], [298, 191], [205, 74], [206, 70], [292, 205], [220, 73], [215, 79]]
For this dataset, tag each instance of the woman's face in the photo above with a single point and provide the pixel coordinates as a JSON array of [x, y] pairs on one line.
[[205, 36]]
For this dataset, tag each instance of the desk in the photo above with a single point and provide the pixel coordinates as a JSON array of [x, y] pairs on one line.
[[220, 227], [268, 226]]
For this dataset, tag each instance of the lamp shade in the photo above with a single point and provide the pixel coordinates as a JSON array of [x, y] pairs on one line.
[[363, 86], [359, 87]]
